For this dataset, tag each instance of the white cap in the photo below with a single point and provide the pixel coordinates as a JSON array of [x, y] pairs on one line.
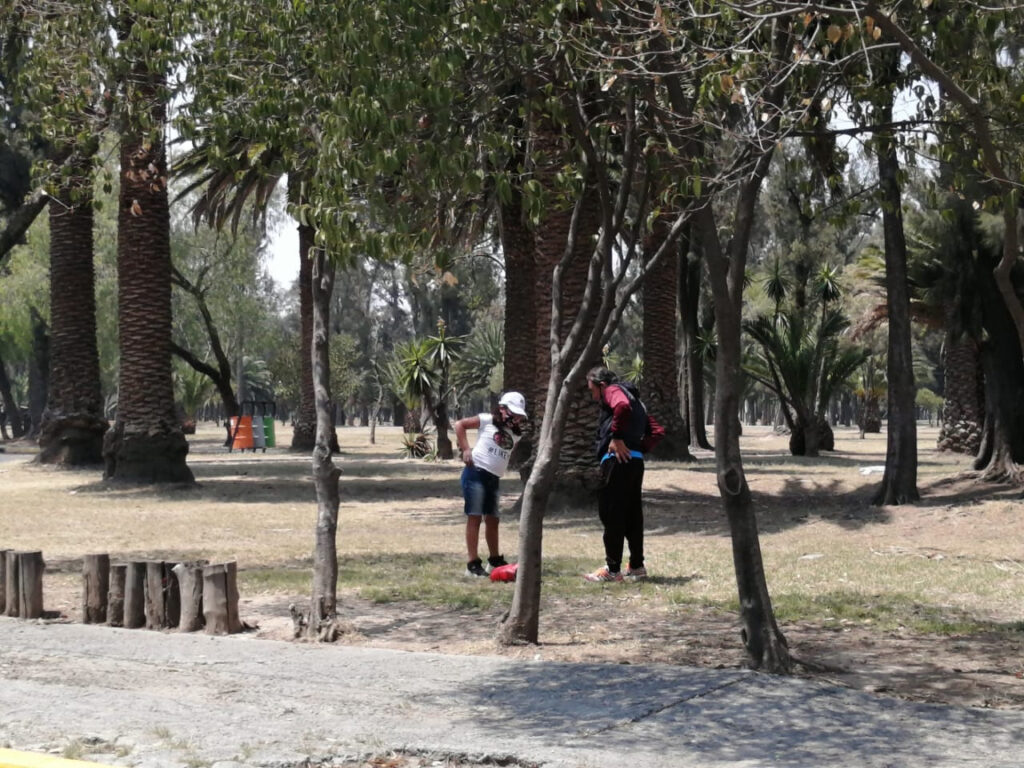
[[515, 402]]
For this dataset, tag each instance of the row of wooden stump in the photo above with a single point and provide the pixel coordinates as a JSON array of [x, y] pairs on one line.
[[150, 593]]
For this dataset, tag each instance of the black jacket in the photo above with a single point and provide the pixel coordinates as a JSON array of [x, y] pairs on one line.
[[631, 426]]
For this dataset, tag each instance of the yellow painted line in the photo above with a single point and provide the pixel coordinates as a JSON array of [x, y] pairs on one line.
[[11, 759]]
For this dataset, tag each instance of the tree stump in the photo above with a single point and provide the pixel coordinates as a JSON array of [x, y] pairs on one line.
[[115, 595], [163, 605], [172, 597], [156, 595], [3, 580], [30, 584], [135, 595], [190, 591], [220, 599], [11, 583], [95, 588]]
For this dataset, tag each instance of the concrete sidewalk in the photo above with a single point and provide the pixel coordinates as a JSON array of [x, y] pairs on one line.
[[131, 697]]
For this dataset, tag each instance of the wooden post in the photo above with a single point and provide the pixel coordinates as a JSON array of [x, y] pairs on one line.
[[172, 597], [135, 595], [11, 596], [95, 588], [190, 589], [156, 613], [30, 584], [115, 597], [3, 580], [220, 599]]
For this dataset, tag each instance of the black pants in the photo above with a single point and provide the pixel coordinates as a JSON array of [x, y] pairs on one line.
[[622, 513]]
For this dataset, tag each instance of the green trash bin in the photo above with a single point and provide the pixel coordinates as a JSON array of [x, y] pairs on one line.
[[268, 431]]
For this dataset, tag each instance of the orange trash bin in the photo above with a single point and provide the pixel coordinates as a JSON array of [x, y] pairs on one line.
[[241, 429]]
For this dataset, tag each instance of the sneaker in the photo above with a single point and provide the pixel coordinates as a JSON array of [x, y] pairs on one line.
[[475, 568], [495, 562], [603, 574], [635, 573]]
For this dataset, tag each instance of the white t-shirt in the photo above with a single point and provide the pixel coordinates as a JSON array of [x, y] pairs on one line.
[[493, 446]]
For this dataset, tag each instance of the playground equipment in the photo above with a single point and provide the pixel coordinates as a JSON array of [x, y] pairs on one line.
[[253, 428]]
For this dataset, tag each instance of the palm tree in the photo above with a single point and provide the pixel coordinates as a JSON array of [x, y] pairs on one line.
[[73, 423], [660, 353], [146, 443]]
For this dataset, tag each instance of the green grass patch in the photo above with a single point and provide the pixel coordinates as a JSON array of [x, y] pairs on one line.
[[883, 612], [275, 580]]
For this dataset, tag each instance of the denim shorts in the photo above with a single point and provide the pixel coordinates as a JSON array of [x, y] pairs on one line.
[[480, 491]]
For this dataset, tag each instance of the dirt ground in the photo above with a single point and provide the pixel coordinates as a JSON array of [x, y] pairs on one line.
[[980, 669]]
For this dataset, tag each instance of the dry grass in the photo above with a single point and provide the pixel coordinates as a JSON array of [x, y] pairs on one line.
[[949, 566]]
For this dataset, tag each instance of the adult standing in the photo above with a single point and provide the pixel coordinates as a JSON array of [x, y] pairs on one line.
[[625, 432], [497, 434]]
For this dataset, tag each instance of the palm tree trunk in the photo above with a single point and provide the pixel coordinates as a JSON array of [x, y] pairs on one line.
[[521, 339], [73, 424], [963, 406], [146, 444], [661, 368]]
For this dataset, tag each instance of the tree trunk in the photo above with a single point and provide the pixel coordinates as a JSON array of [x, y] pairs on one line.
[[146, 444], [304, 434], [573, 483], [4, 554], [220, 599], [444, 442], [221, 376], [38, 372], [522, 624], [30, 584], [521, 340], [963, 406], [899, 483], [116, 594], [135, 595], [11, 410], [73, 424], [321, 623], [765, 644], [660, 350], [190, 589], [691, 365], [12, 597], [95, 588], [1002, 451]]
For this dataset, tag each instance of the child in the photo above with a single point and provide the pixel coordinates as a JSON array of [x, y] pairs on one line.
[[498, 433]]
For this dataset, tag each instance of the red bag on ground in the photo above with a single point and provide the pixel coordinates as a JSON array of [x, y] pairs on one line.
[[505, 572]]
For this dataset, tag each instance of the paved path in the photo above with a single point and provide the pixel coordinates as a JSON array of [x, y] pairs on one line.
[[132, 697]]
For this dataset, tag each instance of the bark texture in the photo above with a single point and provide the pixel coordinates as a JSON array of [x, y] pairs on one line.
[[899, 482], [146, 444], [660, 349], [73, 423]]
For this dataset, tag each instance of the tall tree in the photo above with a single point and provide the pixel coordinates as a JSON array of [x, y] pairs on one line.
[[661, 388], [73, 424], [146, 443]]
